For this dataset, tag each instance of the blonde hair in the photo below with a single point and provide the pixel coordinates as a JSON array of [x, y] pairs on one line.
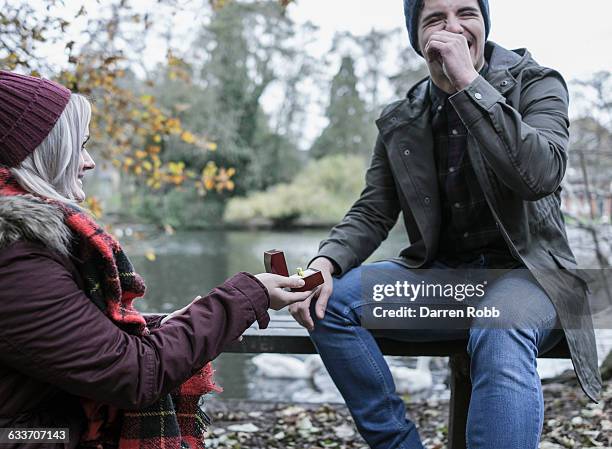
[[52, 170]]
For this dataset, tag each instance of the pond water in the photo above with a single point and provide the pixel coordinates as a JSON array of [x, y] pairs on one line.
[[188, 264]]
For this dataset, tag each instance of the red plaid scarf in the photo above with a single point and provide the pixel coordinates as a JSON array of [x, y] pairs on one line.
[[176, 421]]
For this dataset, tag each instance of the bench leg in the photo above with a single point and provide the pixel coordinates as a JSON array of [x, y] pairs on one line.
[[461, 390]]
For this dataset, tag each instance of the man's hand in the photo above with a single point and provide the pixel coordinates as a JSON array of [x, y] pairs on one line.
[[279, 297], [301, 311], [449, 54]]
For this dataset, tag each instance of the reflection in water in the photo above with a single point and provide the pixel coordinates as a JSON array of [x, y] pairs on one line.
[[192, 263]]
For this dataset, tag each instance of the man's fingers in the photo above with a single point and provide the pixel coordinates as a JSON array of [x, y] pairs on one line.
[[442, 42], [434, 45], [305, 318], [301, 313], [322, 300], [434, 49], [446, 36]]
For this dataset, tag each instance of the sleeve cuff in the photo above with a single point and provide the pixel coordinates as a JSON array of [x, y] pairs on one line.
[[338, 255], [257, 295], [473, 102]]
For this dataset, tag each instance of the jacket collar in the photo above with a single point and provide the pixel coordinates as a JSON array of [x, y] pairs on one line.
[[503, 67], [25, 217]]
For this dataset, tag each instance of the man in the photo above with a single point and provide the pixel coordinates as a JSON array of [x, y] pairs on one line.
[[473, 157]]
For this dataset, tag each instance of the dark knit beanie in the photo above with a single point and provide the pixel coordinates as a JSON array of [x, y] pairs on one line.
[[29, 108], [412, 11]]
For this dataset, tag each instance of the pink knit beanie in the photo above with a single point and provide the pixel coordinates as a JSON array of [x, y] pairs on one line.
[[29, 108]]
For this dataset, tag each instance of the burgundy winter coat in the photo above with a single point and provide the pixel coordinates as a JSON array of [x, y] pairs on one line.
[[56, 345]]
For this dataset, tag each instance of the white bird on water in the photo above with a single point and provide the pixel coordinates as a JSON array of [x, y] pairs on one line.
[[412, 380], [278, 366]]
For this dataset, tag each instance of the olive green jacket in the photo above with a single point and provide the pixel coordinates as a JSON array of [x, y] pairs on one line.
[[517, 124]]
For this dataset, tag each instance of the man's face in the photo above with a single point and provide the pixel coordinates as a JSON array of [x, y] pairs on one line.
[[456, 16]]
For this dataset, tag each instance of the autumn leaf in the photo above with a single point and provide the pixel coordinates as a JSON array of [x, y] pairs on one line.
[[188, 137], [146, 100], [94, 206], [224, 181]]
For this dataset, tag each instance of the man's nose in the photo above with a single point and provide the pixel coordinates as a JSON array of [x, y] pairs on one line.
[[453, 25]]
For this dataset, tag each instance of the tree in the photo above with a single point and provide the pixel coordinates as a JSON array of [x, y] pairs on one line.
[[247, 50], [216, 87], [351, 128], [590, 164], [412, 70], [128, 127]]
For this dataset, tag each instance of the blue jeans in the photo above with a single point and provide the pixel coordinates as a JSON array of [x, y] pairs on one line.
[[506, 409]]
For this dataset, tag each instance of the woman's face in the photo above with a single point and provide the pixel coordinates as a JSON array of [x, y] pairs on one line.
[[85, 163]]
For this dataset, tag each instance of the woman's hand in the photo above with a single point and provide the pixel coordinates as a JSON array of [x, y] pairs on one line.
[[276, 284]]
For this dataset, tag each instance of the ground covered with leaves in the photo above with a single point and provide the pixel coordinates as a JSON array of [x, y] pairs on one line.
[[570, 421]]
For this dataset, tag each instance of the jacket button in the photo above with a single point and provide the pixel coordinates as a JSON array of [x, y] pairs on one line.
[[393, 119], [478, 96], [406, 152], [504, 83], [427, 200]]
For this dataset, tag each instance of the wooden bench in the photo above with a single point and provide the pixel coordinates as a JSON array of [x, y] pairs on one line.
[[285, 336]]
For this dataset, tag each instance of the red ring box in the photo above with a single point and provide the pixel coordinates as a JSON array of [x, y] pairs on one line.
[[275, 263]]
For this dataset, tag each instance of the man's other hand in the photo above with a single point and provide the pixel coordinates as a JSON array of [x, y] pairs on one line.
[[452, 52]]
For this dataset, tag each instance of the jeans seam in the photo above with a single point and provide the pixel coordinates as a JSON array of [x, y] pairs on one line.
[[402, 424], [538, 391], [538, 432]]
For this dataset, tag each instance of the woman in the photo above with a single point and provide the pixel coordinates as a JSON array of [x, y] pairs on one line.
[[74, 353]]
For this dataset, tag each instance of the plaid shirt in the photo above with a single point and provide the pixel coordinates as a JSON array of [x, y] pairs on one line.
[[468, 228]]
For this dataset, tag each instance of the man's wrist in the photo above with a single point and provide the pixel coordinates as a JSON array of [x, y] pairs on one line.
[[464, 81], [323, 262]]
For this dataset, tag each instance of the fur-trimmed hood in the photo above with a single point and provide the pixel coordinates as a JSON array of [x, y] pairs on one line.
[[25, 217]]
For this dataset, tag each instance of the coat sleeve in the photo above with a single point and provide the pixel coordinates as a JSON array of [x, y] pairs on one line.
[[525, 147], [367, 224], [51, 331]]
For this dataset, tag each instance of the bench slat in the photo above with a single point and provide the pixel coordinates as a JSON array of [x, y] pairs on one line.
[[285, 336]]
